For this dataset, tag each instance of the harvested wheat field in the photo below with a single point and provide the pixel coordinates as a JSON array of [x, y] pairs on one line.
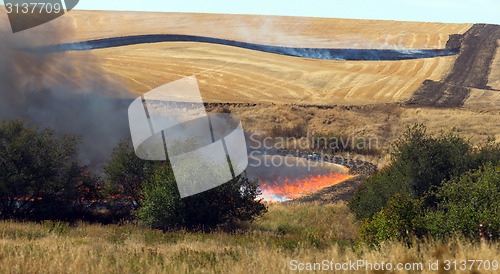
[[243, 76], [229, 74], [281, 30], [236, 75]]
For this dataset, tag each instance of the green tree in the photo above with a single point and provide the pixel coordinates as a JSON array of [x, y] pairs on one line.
[[39, 173], [125, 173]]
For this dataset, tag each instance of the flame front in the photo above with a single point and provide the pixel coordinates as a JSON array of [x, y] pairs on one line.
[[286, 189]]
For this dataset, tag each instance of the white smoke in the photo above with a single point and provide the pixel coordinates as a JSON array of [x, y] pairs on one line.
[[65, 91]]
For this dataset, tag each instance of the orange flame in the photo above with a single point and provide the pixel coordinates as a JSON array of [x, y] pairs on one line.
[[286, 189]]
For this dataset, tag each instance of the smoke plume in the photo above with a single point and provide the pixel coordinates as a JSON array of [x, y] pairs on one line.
[[65, 91]]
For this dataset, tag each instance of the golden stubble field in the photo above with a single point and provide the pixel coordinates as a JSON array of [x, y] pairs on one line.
[[228, 74]]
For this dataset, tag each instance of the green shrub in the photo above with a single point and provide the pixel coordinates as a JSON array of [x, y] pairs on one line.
[[151, 187], [419, 162], [440, 186], [401, 219], [462, 205], [161, 205], [163, 208], [465, 203], [373, 195], [125, 173]]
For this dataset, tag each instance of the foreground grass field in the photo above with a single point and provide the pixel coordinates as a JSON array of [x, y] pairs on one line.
[[307, 233]]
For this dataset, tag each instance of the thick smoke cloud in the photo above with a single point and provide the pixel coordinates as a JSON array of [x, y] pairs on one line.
[[65, 91]]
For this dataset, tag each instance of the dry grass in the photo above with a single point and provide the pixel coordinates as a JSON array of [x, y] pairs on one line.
[[494, 77], [302, 232], [476, 124], [483, 98], [385, 122]]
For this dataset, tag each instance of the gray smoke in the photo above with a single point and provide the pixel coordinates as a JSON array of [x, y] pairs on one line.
[[61, 90]]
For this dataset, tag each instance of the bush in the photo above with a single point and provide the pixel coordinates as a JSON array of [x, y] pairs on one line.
[[467, 202], [163, 208], [161, 204], [401, 219], [419, 162], [151, 187], [39, 175], [441, 186], [373, 194], [125, 173], [295, 130], [454, 214]]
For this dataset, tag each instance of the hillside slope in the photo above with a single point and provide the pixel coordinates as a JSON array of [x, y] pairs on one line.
[[470, 79], [228, 74]]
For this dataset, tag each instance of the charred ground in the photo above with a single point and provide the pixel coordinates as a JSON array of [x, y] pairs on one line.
[[478, 47]]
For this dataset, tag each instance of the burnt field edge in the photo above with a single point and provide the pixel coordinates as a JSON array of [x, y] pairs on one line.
[[345, 54], [478, 47]]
